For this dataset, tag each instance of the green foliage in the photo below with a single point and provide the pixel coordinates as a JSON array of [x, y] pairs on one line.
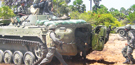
[[60, 7], [86, 16], [123, 10], [118, 14], [6, 12], [106, 19], [77, 2], [132, 8], [131, 18], [96, 19], [101, 10], [115, 12], [78, 6], [131, 14], [74, 15], [125, 22]]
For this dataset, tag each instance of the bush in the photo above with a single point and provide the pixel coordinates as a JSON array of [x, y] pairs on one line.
[[6, 12], [96, 19]]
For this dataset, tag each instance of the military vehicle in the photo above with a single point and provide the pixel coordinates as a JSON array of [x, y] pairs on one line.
[[21, 42], [22, 39], [121, 30]]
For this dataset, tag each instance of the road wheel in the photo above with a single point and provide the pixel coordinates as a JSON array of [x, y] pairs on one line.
[[1, 56], [122, 33], [29, 58], [18, 57], [7, 56], [38, 52]]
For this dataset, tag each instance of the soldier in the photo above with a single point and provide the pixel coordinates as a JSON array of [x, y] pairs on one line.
[[81, 40], [21, 9], [52, 43], [129, 46], [43, 5], [107, 34], [50, 5]]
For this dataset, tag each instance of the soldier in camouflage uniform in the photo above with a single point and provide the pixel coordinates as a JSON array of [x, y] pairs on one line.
[[107, 33], [50, 5], [80, 40], [129, 46], [22, 9], [19, 10], [43, 5], [52, 43]]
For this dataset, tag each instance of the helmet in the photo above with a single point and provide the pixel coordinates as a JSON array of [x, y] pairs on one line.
[[128, 26], [52, 27]]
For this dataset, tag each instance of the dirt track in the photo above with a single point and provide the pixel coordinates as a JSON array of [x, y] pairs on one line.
[[110, 55]]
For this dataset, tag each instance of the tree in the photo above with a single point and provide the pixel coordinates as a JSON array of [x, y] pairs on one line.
[[132, 8], [96, 18], [78, 6], [74, 15], [102, 10], [112, 10], [131, 18], [96, 6], [6, 12], [60, 7], [116, 13], [123, 10], [128, 11]]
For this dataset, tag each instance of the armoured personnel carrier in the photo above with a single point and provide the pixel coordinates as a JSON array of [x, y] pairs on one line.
[[20, 42], [22, 39]]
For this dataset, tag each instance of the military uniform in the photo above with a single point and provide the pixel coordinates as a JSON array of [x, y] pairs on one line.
[[43, 7], [107, 33], [22, 10], [80, 42], [128, 49], [52, 43], [19, 11]]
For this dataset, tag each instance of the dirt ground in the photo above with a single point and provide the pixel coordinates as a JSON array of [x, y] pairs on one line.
[[111, 54]]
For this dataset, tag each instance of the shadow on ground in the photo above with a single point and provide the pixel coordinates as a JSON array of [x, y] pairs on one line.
[[71, 61]]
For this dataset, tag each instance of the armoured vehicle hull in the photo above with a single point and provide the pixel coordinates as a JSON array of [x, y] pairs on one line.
[[22, 41]]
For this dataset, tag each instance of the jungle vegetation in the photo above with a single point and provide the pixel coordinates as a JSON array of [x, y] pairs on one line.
[[105, 16]]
